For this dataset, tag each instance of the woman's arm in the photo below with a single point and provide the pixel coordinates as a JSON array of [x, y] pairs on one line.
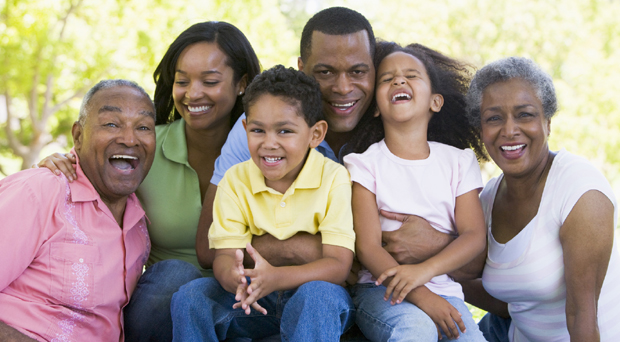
[[587, 240], [476, 295]]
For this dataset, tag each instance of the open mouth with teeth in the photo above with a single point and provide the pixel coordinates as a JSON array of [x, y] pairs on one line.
[[124, 162], [400, 97], [343, 106], [198, 109], [512, 148], [272, 160]]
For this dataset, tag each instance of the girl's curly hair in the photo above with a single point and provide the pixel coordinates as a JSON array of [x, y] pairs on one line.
[[448, 77]]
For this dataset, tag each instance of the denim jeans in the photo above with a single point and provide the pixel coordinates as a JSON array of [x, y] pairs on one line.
[[495, 328], [147, 316], [381, 321], [316, 311]]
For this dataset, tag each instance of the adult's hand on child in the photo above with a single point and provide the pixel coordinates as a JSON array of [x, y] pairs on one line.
[[415, 241], [405, 278], [263, 279], [445, 316], [60, 162]]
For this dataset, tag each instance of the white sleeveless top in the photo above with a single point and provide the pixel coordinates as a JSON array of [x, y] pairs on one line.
[[528, 271]]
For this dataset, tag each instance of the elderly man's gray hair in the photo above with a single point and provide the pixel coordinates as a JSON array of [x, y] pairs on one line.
[[505, 70], [106, 84]]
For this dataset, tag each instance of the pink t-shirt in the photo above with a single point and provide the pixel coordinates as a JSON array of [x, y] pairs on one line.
[[67, 269], [427, 188]]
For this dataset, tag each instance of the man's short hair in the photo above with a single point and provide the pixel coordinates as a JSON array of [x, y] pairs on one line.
[[106, 84], [292, 86], [335, 21]]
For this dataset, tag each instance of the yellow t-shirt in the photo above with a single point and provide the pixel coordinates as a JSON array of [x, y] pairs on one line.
[[319, 200]]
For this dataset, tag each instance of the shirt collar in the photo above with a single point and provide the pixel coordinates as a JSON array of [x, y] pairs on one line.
[[309, 177], [82, 190], [174, 144]]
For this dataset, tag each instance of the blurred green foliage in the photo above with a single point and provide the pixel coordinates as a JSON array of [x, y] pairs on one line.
[[78, 42]]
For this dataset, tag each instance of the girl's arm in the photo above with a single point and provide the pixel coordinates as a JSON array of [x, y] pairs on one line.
[[469, 221], [587, 242], [368, 243], [370, 253]]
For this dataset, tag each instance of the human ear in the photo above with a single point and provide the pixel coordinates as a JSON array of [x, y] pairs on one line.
[[245, 124], [436, 102], [243, 82], [300, 64], [318, 131], [77, 132], [377, 112]]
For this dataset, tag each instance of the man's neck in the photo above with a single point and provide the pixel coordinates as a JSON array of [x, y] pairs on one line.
[[117, 208], [336, 140]]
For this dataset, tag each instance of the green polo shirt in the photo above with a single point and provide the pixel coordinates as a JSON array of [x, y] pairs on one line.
[[170, 195]]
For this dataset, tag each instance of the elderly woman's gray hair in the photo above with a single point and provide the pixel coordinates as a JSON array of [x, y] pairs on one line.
[[504, 70], [105, 84]]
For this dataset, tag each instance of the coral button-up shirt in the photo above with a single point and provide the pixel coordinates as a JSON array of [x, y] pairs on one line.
[[66, 267]]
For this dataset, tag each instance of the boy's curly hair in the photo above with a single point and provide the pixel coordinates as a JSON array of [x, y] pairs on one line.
[[292, 86], [448, 77]]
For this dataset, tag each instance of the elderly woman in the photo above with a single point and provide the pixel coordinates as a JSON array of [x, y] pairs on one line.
[[553, 266]]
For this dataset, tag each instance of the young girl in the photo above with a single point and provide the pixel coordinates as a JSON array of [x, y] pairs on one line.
[[418, 164]]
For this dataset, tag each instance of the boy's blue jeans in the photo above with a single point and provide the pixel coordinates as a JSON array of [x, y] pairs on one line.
[[381, 321], [316, 311]]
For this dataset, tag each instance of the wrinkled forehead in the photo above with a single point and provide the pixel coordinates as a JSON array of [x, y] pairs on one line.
[[122, 100]]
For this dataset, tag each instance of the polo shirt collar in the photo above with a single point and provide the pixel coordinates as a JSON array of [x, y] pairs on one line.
[[309, 177], [174, 144]]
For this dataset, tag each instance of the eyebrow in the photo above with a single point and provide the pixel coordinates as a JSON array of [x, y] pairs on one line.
[[498, 108], [406, 70], [108, 108], [208, 72], [114, 109], [327, 66], [277, 124]]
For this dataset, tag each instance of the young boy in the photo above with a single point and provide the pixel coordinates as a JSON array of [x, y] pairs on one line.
[[287, 187]]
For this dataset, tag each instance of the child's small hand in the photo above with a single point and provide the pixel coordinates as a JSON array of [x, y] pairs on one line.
[[405, 278], [262, 279], [443, 314], [241, 295]]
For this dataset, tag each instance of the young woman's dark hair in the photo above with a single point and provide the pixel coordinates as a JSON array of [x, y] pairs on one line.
[[241, 58], [448, 77]]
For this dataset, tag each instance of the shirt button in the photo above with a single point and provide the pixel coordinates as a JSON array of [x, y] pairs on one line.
[[81, 260], [282, 204]]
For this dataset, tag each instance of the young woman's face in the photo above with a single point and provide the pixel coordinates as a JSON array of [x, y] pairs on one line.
[[404, 89], [204, 92]]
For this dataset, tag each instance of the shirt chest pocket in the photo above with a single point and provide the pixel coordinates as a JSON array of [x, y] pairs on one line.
[[73, 275]]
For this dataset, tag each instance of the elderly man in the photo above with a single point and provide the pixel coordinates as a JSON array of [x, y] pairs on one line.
[[72, 253]]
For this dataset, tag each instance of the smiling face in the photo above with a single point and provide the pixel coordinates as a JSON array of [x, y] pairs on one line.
[[514, 128], [204, 92], [116, 144], [343, 67], [404, 90], [279, 139]]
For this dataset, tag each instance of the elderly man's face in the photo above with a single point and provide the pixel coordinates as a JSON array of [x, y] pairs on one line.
[[116, 145]]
